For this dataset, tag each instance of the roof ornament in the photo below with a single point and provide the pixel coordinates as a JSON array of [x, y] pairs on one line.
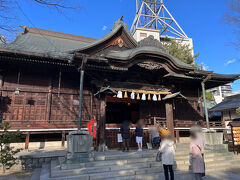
[[119, 22], [150, 41], [121, 19]]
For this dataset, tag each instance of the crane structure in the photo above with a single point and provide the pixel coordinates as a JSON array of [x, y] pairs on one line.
[[153, 18]]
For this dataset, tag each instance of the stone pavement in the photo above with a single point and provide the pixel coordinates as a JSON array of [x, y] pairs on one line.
[[217, 161], [226, 175]]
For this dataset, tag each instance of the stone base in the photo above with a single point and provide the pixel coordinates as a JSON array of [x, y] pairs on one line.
[[79, 142], [220, 147], [213, 137], [80, 157]]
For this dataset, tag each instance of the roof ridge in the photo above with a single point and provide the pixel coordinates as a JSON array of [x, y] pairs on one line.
[[57, 34]]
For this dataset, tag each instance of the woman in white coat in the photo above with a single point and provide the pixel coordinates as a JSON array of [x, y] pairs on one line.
[[167, 148]]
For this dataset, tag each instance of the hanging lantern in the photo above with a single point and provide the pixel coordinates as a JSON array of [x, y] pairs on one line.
[[143, 97], [133, 95], [154, 97], [149, 97], [17, 91], [159, 97], [125, 94], [119, 95], [138, 96]]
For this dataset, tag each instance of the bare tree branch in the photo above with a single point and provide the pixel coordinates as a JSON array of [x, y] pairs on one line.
[[57, 4], [233, 18], [8, 11]]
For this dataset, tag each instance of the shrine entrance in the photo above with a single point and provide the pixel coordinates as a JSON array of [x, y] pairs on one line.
[[117, 112], [120, 109]]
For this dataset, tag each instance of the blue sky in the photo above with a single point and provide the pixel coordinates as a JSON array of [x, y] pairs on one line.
[[202, 20]]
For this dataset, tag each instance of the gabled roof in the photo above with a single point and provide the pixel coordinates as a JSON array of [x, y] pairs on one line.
[[49, 43], [118, 26]]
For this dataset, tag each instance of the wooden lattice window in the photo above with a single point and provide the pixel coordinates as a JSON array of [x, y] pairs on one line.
[[41, 100], [18, 100]]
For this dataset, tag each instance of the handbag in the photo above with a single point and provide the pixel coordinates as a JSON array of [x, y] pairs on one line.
[[159, 157], [203, 174]]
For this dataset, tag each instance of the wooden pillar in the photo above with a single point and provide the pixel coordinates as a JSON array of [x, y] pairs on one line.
[[169, 117], [195, 105], [49, 101], [177, 136], [1, 85], [27, 140], [102, 125], [201, 109], [63, 138], [1, 81]]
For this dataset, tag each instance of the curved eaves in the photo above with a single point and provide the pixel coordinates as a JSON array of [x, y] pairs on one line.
[[129, 58]]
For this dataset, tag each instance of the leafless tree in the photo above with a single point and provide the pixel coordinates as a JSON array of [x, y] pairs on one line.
[[6, 15], [233, 18], [8, 11]]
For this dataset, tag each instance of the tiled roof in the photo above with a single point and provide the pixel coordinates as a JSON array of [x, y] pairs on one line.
[[227, 105], [47, 42]]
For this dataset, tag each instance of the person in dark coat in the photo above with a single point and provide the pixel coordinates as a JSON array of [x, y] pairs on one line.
[[125, 131]]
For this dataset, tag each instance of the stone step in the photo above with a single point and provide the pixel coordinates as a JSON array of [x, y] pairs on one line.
[[36, 174], [210, 159], [57, 172], [207, 155], [137, 157], [137, 165], [76, 164], [152, 176], [140, 173], [127, 155], [116, 155], [134, 157], [45, 174], [147, 154], [212, 164], [179, 175], [224, 164]]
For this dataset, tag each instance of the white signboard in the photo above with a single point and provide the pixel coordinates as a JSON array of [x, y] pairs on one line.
[[119, 136], [228, 127]]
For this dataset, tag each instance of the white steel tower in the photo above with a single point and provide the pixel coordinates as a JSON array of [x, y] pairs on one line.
[[153, 18]]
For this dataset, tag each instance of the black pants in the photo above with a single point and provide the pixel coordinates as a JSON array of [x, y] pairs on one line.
[[125, 144], [168, 168]]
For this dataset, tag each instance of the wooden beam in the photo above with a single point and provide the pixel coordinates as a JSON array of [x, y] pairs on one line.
[[27, 140], [209, 76], [169, 117]]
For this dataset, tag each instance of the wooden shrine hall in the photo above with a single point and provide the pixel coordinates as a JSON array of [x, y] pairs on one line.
[[123, 79]]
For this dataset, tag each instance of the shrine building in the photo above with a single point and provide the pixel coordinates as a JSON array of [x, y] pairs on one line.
[[123, 79]]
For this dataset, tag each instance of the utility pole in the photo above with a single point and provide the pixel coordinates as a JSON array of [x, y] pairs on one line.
[[204, 99]]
